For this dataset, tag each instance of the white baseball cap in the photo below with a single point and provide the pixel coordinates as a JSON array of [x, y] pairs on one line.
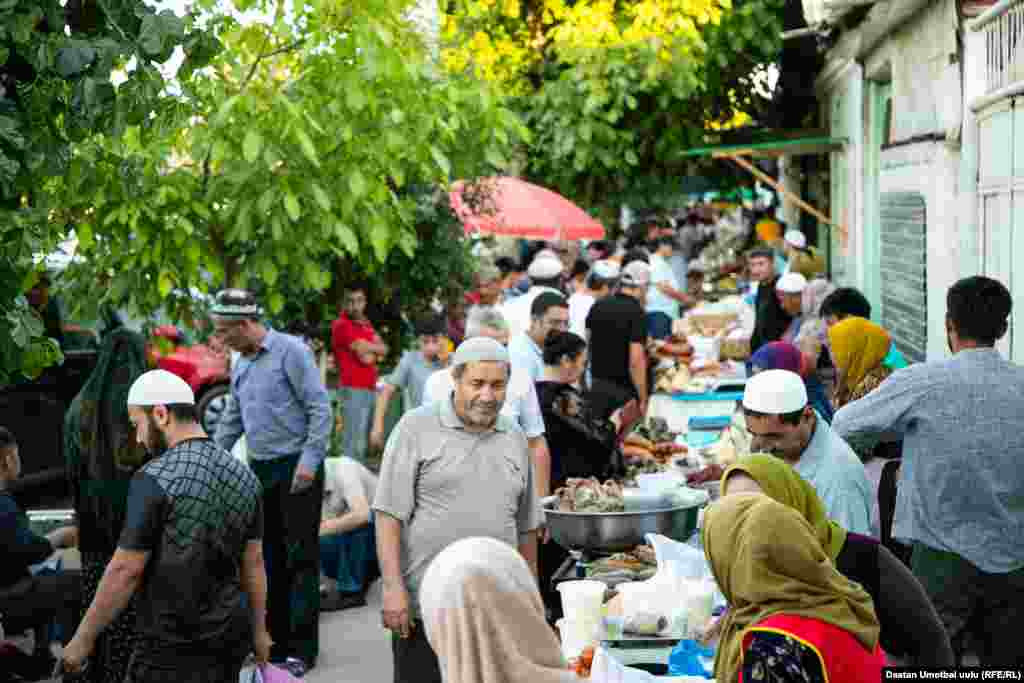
[[606, 270], [775, 392], [636, 274], [160, 388], [791, 283], [796, 238], [545, 268]]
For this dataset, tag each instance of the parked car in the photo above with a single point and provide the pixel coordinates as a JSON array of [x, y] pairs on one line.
[[205, 367]]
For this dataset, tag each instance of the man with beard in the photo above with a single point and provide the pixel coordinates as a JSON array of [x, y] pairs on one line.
[[781, 422], [191, 545], [279, 401], [453, 469]]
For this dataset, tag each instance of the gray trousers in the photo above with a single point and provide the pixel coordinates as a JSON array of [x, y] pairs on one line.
[[357, 409]]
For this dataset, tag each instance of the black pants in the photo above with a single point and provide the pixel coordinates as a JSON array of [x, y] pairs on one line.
[[291, 550], [993, 604], [414, 659], [606, 397], [550, 557], [42, 600], [223, 670]]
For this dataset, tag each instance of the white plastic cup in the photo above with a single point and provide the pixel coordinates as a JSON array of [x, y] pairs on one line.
[[582, 600], [576, 635]]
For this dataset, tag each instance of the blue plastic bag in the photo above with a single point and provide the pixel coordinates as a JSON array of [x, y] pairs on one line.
[[685, 659]]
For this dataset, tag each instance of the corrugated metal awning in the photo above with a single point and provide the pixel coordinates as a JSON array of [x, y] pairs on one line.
[[772, 148]]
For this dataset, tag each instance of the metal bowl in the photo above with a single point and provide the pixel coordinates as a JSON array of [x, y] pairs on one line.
[[613, 532]]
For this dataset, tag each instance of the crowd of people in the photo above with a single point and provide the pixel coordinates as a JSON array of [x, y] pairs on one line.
[[846, 532]]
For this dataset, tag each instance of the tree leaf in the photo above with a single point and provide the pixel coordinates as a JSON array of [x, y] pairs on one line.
[[347, 237], [275, 302], [357, 183], [307, 146], [292, 206], [252, 145], [441, 160], [165, 283], [321, 196], [269, 273]]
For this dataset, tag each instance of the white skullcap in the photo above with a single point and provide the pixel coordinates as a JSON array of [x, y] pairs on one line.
[[606, 270], [636, 274], [160, 388], [546, 253], [545, 268], [796, 239], [479, 350], [791, 283], [695, 267], [775, 392]]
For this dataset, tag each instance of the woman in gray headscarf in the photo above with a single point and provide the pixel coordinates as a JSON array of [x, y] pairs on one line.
[[813, 336]]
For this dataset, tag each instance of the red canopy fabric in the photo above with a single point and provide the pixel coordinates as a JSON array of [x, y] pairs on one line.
[[516, 208]]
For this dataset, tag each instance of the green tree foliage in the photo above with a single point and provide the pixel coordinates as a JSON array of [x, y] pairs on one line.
[[55, 91], [612, 92], [289, 161]]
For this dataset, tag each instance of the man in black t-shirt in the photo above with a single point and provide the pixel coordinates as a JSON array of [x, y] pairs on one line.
[[191, 547], [617, 337], [772, 320]]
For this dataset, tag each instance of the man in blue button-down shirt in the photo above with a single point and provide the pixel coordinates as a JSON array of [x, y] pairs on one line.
[[282, 406]]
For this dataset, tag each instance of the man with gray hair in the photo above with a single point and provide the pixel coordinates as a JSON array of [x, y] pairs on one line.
[[452, 469], [521, 403]]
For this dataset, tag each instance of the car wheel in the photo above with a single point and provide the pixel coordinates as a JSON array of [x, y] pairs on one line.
[[212, 405]]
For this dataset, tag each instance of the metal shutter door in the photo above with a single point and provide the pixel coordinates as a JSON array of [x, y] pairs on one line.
[[904, 272]]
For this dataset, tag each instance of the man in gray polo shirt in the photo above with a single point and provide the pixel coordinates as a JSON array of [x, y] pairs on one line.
[[452, 469]]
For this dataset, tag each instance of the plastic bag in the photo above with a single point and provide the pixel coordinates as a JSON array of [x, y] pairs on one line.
[[250, 674], [607, 669], [686, 659]]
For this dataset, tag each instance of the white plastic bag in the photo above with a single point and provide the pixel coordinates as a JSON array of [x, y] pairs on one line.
[[607, 669]]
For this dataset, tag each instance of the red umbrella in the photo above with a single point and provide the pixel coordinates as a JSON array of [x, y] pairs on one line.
[[515, 208]]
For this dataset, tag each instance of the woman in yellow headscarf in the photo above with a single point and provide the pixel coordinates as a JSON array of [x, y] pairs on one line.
[[858, 348], [910, 626], [792, 616]]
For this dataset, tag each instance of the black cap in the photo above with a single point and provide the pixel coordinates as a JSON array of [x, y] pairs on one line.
[[238, 304]]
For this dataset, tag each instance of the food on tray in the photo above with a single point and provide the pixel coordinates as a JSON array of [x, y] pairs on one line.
[[582, 664], [638, 564], [709, 473], [646, 624], [590, 495], [652, 443]]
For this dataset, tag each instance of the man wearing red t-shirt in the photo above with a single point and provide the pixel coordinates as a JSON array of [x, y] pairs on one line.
[[357, 350]]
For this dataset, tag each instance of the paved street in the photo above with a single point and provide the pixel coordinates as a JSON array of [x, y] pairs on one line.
[[354, 648]]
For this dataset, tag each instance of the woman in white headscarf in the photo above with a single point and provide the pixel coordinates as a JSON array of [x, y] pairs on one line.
[[485, 620]]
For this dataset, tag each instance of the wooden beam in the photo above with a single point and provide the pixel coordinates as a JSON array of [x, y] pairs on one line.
[[768, 180]]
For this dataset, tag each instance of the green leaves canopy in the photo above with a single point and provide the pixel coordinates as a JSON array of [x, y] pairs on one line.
[[289, 157]]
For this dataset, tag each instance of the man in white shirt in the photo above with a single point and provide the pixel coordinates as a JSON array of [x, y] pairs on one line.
[[601, 280], [550, 312], [664, 298], [348, 556], [781, 422], [545, 273], [521, 403]]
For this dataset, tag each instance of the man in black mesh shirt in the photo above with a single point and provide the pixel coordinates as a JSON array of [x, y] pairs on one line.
[[191, 546]]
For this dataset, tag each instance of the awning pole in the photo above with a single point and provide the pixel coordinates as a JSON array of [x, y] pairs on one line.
[[768, 180]]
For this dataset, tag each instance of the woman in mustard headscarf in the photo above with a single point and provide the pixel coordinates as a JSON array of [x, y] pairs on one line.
[[792, 616], [910, 626], [858, 348]]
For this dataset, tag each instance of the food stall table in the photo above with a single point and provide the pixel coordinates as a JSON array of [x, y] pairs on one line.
[[677, 409]]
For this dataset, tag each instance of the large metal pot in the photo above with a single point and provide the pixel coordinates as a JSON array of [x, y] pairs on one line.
[[613, 532]]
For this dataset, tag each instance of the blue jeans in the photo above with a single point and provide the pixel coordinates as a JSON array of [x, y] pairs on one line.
[[350, 558], [357, 409]]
